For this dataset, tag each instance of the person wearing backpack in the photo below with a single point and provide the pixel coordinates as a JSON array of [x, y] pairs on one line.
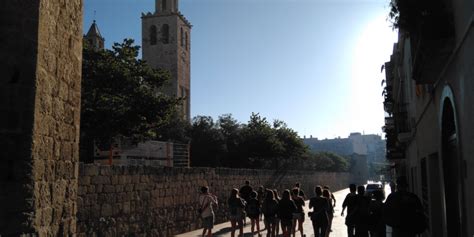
[[286, 208], [298, 215], [404, 212], [237, 213], [376, 223], [361, 213], [319, 216], [253, 212], [269, 210], [206, 212]]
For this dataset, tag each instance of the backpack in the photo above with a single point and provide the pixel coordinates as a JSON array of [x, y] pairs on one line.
[[270, 208], [252, 207]]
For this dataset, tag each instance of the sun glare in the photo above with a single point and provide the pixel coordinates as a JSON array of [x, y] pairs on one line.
[[373, 48]]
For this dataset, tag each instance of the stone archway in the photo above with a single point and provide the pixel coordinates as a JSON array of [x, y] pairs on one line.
[[452, 172]]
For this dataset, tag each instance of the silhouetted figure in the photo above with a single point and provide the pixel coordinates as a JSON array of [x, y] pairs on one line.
[[361, 213], [349, 203], [277, 198], [261, 197], [327, 194], [403, 211], [319, 216], [333, 199], [206, 201], [376, 223], [286, 208], [269, 210], [245, 192], [298, 215], [236, 209], [301, 192], [253, 212]]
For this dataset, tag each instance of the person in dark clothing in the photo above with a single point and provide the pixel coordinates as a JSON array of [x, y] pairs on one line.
[[237, 213], [349, 203], [333, 199], [261, 197], [298, 215], [253, 212], [244, 193], [301, 192], [319, 216], [286, 208], [376, 223], [361, 213], [277, 226], [403, 211], [327, 194], [269, 210]]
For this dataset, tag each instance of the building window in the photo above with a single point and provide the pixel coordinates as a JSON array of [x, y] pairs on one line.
[[153, 35], [165, 34], [163, 4], [186, 41], [182, 37]]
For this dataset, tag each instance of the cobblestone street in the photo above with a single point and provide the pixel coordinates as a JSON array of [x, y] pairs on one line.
[[338, 226]]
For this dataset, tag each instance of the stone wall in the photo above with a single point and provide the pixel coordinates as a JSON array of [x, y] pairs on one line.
[[40, 64], [162, 201]]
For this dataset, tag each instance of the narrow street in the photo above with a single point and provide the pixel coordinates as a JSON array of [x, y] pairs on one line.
[[338, 226]]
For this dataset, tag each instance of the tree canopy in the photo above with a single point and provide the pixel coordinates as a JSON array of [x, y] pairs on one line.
[[120, 96]]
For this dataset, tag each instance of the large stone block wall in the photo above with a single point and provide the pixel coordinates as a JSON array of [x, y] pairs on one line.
[[40, 68], [162, 201]]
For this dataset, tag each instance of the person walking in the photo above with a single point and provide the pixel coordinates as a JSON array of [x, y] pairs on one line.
[[301, 192], [361, 213], [327, 194], [206, 202], [237, 213], [298, 215], [333, 199], [319, 215], [244, 193], [278, 199], [286, 208], [261, 197], [253, 212], [349, 203], [404, 212], [376, 223], [269, 210]]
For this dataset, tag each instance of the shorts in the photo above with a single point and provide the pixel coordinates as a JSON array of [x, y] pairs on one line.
[[298, 216], [271, 220], [208, 222], [237, 217], [286, 222]]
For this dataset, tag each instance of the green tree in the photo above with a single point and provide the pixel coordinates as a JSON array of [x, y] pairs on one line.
[[120, 98], [207, 143]]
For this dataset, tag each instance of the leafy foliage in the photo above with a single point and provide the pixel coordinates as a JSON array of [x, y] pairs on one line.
[[119, 95], [257, 144]]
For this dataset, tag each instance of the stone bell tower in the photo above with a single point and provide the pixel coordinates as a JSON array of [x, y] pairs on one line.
[[166, 37]]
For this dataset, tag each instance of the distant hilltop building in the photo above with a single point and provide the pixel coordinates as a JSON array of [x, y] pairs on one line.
[[370, 145], [166, 37]]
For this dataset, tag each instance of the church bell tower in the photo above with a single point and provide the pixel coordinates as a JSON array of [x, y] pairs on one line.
[[166, 37]]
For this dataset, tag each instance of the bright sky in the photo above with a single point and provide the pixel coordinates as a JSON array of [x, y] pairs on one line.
[[314, 64]]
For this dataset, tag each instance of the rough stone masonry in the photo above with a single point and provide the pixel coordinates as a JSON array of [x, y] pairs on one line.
[[162, 201], [40, 68]]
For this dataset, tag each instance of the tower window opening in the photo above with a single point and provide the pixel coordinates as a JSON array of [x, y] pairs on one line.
[[187, 41], [153, 39], [165, 34], [182, 37], [163, 4]]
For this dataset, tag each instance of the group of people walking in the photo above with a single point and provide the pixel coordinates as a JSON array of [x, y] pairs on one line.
[[368, 215], [285, 212]]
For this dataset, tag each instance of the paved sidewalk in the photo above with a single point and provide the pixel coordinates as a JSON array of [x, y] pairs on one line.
[[338, 226]]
